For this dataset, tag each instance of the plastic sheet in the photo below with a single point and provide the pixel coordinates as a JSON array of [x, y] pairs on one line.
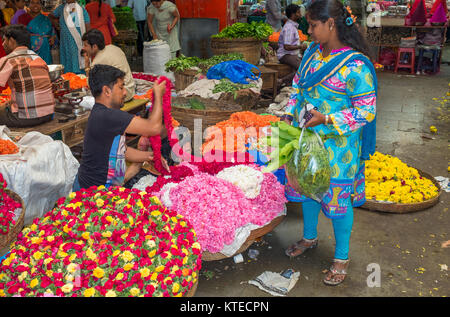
[[43, 171], [308, 171]]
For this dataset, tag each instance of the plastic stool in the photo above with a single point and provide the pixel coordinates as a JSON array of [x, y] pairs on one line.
[[435, 50], [410, 65]]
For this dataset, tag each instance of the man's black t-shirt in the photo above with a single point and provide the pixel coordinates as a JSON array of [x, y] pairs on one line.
[[103, 159]]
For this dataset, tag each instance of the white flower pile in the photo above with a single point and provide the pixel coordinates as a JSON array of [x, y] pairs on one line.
[[245, 177], [165, 194], [144, 182]]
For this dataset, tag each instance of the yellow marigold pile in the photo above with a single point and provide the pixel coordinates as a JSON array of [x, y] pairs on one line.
[[389, 179]]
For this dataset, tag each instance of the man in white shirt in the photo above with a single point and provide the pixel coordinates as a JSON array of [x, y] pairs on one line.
[[140, 15], [95, 52]]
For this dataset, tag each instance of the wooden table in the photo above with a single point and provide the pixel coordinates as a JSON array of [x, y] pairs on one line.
[[269, 77], [71, 132]]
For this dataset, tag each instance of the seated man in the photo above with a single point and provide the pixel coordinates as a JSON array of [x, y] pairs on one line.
[[289, 44], [97, 53], [32, 100], [105, 150]]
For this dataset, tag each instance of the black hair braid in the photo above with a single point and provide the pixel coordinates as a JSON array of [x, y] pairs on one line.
[[99, 8]]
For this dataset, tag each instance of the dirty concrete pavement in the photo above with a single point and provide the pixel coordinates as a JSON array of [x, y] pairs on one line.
[[407, 247]]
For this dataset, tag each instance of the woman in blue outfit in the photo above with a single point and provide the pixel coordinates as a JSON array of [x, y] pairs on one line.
[[338, 82], [74, 22]]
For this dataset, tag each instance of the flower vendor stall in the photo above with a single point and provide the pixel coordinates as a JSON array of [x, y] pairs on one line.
[[393, 186], [104, 242]]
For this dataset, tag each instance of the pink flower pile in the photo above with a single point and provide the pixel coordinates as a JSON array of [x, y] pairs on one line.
[[216, 208]]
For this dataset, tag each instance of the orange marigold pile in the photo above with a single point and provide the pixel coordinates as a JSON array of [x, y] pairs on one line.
[[75, 81], [244, 125], [8, 147]]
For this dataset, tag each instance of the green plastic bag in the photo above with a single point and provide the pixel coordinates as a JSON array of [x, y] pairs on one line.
[[308, 170]]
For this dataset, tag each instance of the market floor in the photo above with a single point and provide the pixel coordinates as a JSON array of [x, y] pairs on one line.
[[407, 248]]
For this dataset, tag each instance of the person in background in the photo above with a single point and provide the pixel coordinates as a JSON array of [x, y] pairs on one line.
[[101, 15], [274, 16], [139, 11], [104, 151], [289, 44], [96, 52], [42, 33], [338, 79], [8, 11], [163, 23], [20, 9], [27, 75], [73, 23], [2, 24]]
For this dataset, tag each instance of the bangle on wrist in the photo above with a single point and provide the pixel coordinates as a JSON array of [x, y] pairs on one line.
[[326, 119]]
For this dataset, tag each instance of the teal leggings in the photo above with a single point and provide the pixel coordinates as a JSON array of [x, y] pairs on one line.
[[342, 227]]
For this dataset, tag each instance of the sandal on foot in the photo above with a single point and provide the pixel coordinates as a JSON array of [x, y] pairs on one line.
[[299, 247], [336, 276]]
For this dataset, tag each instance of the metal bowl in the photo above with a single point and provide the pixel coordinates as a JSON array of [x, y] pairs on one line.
[[55, 71]]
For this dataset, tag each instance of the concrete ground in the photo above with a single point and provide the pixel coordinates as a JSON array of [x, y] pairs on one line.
[[407, 247]]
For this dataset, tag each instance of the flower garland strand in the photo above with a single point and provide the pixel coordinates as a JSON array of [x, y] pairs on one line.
[[8, 207]]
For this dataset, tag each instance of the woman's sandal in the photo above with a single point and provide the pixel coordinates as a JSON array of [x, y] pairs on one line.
[[336, 276], [299, 247]]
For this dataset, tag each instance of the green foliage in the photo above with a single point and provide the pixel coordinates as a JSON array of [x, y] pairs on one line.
[[225, 85], [124, 18], [182, 63], [258, 30]]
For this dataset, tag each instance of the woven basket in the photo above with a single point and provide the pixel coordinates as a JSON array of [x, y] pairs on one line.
[[373, 205], [257, 233], [249, 47], [184, 79], [6, 239], [191, 292], [209, 117]]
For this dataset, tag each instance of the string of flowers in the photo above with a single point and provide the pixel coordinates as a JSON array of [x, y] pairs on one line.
[[100, 242]]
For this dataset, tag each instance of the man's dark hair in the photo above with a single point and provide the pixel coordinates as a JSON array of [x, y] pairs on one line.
[[291, 10], [19, 33], [103, 75], [94, 36]]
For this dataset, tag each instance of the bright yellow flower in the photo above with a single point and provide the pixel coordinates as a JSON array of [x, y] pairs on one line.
[[98, 272], [33, 283], [99, 202], [37, 255], [128, 266], [151, 253], [116, 253], [106, 234], [89, 292], [154, 276], [144, 272], [159, 268], [175, 288], [119, 276], [155, 213], [134, 291], [72, 267], [127, 256]]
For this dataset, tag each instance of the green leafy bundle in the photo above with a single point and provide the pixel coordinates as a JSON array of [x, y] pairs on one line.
[[226, 85], [124, 18], [307, 164], [258, 30], [182, 63]]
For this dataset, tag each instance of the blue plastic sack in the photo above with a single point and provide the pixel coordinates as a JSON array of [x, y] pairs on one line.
[[237, 71]]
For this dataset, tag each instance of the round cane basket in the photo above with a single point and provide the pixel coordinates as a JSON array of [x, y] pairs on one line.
[[184, 78], [254, 234], [209, 117], [374, 205], [249, 47], [6, 239]]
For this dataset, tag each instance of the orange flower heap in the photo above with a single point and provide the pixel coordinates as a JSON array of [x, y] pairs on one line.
[[232, 135], [8, 147], [75, 81]]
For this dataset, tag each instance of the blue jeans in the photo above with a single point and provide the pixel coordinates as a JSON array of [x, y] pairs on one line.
[[76, 185], [342, 227]]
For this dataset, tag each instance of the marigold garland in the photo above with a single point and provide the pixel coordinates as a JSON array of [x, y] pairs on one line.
[[8, 147], [100, 242]]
